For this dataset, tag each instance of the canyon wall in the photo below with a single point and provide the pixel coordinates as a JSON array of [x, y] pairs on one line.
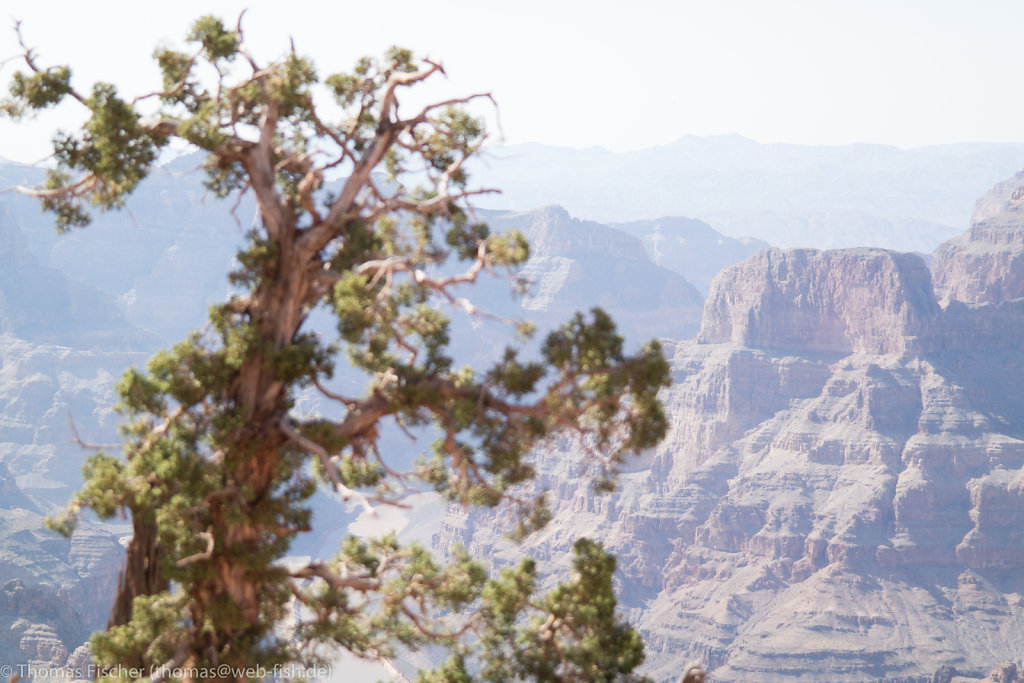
[[841, 493]]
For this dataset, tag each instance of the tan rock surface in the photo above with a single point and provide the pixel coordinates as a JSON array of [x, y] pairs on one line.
[[860, 300]]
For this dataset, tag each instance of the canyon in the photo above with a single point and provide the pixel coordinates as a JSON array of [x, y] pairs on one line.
[[841, 493], [840, 496]]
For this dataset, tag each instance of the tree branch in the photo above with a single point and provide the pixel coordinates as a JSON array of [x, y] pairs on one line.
[[30, 61], [328, 465], [318, 570], [198, 557]]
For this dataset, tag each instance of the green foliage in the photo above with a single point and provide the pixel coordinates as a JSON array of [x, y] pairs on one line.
[[218, 42], [37, 91], [220, 468], [575, 637], [151, 630]]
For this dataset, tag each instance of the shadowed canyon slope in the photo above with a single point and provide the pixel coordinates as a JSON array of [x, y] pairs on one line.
[[62, 343], [841, 493]]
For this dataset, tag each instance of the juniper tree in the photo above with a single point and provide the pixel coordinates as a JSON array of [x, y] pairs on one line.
[[218, 468]]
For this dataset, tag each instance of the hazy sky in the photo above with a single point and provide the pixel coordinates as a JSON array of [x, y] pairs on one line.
[[624, 75]]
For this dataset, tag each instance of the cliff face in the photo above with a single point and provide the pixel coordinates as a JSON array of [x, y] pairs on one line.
[[841, 493], [53, 592], [575, 265], [854, 300], [986, 265]]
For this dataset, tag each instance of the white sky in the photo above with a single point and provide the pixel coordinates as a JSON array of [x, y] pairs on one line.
[[624, 75]]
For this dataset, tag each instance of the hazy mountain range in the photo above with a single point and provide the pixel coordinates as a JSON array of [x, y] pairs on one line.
[[788, 195]]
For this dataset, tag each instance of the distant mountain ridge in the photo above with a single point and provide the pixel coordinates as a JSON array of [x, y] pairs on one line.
[[788, 195], [576, 265]]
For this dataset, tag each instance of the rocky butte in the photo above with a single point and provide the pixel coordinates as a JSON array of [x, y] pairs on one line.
[[841, 494]]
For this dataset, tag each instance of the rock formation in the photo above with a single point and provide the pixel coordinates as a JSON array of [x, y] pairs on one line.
[[575, 265], [690, 247], [840, 497], [856, 300], [986, 264], [841, 494]]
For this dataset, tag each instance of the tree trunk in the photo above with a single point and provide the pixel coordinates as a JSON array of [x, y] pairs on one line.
[[141, 575]]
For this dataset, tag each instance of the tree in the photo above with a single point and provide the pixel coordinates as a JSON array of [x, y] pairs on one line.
[[217, 470]]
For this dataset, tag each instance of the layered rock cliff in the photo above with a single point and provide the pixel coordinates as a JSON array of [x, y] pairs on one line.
[[854, 300], [986, 264], [841, 493]]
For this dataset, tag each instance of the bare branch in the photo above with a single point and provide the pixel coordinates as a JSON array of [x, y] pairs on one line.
[[159, 127], [198, 557], [331, 395], [238, 203], [388, 131], [329, 466], [311, 181], [442, 636], [324, 129], [389, 102], [422, 116], [78, 440], [156, 433], [402, 477], [77, 189], [436, 205], [165, 671], [178, 87], [242, 49], [318, 570]]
